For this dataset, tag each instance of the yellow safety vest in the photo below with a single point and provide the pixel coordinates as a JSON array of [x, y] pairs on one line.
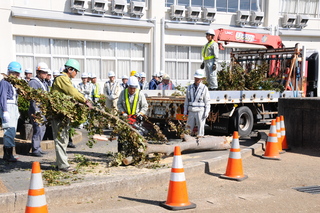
[[205, 51], [135, 102]]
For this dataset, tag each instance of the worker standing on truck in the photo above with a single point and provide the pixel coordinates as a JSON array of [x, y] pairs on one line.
[[210, 53], [197, 103]]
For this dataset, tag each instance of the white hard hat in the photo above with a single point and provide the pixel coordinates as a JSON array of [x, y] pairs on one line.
[[210, 32], [137, 75], [133, 82], [29, 70], [111, 74], [56, 72], [61, 69], [156, 74], [93, 75], [199, 73], [143, 75], [84, 75], [124, 77], [50, 72], [43, 67], [166, 77]]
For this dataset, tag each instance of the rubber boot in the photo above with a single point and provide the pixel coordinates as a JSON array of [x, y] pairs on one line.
[[5, 154], [9, 155]]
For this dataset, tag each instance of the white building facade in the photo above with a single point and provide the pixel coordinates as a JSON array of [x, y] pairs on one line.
[[145, 36]]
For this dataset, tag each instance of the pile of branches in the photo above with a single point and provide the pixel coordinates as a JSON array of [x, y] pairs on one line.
[[58, 106], [236, 78]]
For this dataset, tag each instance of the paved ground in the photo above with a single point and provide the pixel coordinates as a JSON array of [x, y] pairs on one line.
[[15, 177]]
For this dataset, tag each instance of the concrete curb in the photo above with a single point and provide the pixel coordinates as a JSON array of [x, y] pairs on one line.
[[112, 187]]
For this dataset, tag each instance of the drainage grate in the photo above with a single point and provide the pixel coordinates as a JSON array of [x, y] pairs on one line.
[[309, 189]]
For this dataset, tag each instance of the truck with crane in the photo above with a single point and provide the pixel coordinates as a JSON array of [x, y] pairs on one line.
[[238, 110]]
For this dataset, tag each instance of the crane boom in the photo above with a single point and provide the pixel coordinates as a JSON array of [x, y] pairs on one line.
[[269, 41]]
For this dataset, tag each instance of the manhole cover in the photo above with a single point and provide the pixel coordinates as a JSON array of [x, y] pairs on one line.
[[309, 189]]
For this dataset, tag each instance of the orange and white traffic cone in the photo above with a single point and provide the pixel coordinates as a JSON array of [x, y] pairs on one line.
[[36, 198], [272, 147], [278, 126], [234, 169], [283, 133], [177, 194]]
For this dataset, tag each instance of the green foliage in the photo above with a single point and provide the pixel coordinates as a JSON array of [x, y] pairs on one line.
[[180, 91], [236, 78], [23, 105], [82, 161]]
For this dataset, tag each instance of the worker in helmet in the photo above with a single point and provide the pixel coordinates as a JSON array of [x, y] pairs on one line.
[[9, 111], [155, 81], [28, 74], [166, 83], [210, 54], [85, 87], [112, 91], [124, 83], [131, 100], [197, 104], [49, 78], [39, 129], [144, 85], [95, 94], [64, 85]]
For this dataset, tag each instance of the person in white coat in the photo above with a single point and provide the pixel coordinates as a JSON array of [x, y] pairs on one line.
[[112, 91], [197, 103]]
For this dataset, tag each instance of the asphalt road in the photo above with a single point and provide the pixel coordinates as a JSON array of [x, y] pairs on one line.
[[269, 188]]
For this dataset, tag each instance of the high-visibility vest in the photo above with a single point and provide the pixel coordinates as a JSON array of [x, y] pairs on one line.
[[205, 51], [131, 111]]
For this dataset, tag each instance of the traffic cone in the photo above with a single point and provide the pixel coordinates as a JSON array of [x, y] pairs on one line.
[[283, 133], [177, 194], [36, 197], [272, 147], [234, 169], [278, 126]]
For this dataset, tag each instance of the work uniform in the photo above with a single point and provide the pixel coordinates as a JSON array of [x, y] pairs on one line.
[[197, 107], [163, 86], [85, 89], [153, 84], [111, 91], [144, 85], [8, 102], [210, 53], [95, 94], [64, 85], [38, 129], [132, 104]]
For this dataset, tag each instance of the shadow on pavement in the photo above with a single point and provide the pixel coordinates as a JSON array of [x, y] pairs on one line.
[[152, 202], [207, 170]]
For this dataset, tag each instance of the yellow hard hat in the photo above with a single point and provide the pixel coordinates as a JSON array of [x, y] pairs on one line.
[[132, 73]]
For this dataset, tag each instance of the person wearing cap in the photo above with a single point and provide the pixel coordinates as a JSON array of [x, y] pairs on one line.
[[85, 87], [131, 100], [28, 74], [124, 83], [111, 91], [64, 85], [155, 81], [49, 78], [95, 94], [9, 111], [166, 83], [197, 103], [210, 54], [56, 73], [144, 85], [39, 129]]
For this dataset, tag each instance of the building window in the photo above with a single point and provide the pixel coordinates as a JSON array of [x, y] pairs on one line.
[[305, 7], [94, 57], [235, 5]]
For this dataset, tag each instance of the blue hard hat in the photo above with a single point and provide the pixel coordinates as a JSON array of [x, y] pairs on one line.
[[14, 67]]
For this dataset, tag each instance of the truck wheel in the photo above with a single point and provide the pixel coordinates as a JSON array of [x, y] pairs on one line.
[[243, 121]]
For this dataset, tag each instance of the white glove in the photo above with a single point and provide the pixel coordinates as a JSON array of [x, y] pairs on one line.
[[6, 117], [125, 115]]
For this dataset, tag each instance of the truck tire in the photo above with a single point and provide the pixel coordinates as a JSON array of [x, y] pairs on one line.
[[243, 120]]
